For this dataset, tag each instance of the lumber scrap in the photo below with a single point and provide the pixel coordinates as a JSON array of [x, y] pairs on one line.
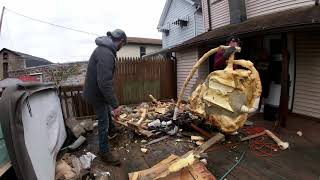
[[197, 171], [200, 172], [154, 100], [138, 130], [177, 164], [157, 140], [253, 136], [139, 175], [4, 168], [282, 145]]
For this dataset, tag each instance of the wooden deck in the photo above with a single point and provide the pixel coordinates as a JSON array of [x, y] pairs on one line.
[[301, 161]]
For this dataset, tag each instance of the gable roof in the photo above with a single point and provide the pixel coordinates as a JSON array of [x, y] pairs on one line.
[[31, 61], [138, 40], [167, 6], [294, 19]]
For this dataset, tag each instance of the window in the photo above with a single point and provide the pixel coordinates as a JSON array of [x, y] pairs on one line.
[[5, 56], [142, 51], [5, 70], [181, 21]]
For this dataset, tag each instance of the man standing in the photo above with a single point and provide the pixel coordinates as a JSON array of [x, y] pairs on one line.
[[99, 91], [222, 55]]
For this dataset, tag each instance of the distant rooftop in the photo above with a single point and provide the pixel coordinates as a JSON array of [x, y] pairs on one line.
[[138, 40], [31, 61]]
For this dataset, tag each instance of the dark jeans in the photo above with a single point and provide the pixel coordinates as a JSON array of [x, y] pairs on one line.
[[105, 123]]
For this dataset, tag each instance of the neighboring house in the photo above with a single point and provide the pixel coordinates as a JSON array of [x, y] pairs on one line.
[[180, 20], [138, 47], [266, 29], [13, 60]]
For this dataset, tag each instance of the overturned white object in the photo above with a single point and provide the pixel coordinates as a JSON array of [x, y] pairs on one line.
[[44, 131], [86, 160]]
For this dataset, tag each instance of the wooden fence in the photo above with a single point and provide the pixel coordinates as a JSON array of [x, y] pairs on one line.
[[135, 79]]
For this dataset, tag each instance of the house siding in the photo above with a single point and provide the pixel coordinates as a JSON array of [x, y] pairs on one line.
[[177, 35], [205, 14], [307, 85], [199, 24], [220, 15], [261, 7], [133, 50], [185, 61]]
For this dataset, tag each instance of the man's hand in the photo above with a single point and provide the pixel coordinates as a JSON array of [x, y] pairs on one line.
[[116, 112], [228, 52]]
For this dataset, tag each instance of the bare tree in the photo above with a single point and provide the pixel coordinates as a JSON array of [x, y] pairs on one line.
[[61, 72]]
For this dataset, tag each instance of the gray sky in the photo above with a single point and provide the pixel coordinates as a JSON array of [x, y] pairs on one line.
[[137, 18]]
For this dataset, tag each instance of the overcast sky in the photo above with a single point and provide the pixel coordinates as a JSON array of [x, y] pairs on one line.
[[137, 18]]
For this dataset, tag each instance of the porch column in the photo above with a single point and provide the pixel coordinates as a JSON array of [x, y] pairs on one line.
[[284, 98]]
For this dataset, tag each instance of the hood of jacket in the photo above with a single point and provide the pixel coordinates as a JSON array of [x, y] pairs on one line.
[[107, 42]]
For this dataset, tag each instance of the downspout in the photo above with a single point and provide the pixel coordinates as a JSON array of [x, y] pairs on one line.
[[195, 22], [209, 14]]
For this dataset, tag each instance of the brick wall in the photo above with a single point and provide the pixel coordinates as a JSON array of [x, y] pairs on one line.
[[46, 70]]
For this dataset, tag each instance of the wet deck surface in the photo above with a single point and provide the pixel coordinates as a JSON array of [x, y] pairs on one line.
[[301, 161]]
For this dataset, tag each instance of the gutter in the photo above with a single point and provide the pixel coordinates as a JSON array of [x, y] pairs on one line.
[[288, 28]]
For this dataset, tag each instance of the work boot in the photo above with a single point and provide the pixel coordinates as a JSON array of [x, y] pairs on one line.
[[109, 158]]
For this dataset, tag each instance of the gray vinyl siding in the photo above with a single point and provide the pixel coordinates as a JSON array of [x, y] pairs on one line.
[[177, 35], [220, 15], [262, 7], [307, 85], [205, 14], [185, 61], [199, 24]]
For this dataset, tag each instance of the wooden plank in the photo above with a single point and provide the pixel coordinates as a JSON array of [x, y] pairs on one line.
[[140, 131], [160, 165], [196, 171], [181, 162], [67, 105], [5, 168], [200, 172]]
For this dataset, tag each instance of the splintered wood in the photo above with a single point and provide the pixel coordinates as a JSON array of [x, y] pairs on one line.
[[197, 169], [173, 167], [137, 118]]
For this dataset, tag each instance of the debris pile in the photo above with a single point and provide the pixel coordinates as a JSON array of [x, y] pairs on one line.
[[154, 118]]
